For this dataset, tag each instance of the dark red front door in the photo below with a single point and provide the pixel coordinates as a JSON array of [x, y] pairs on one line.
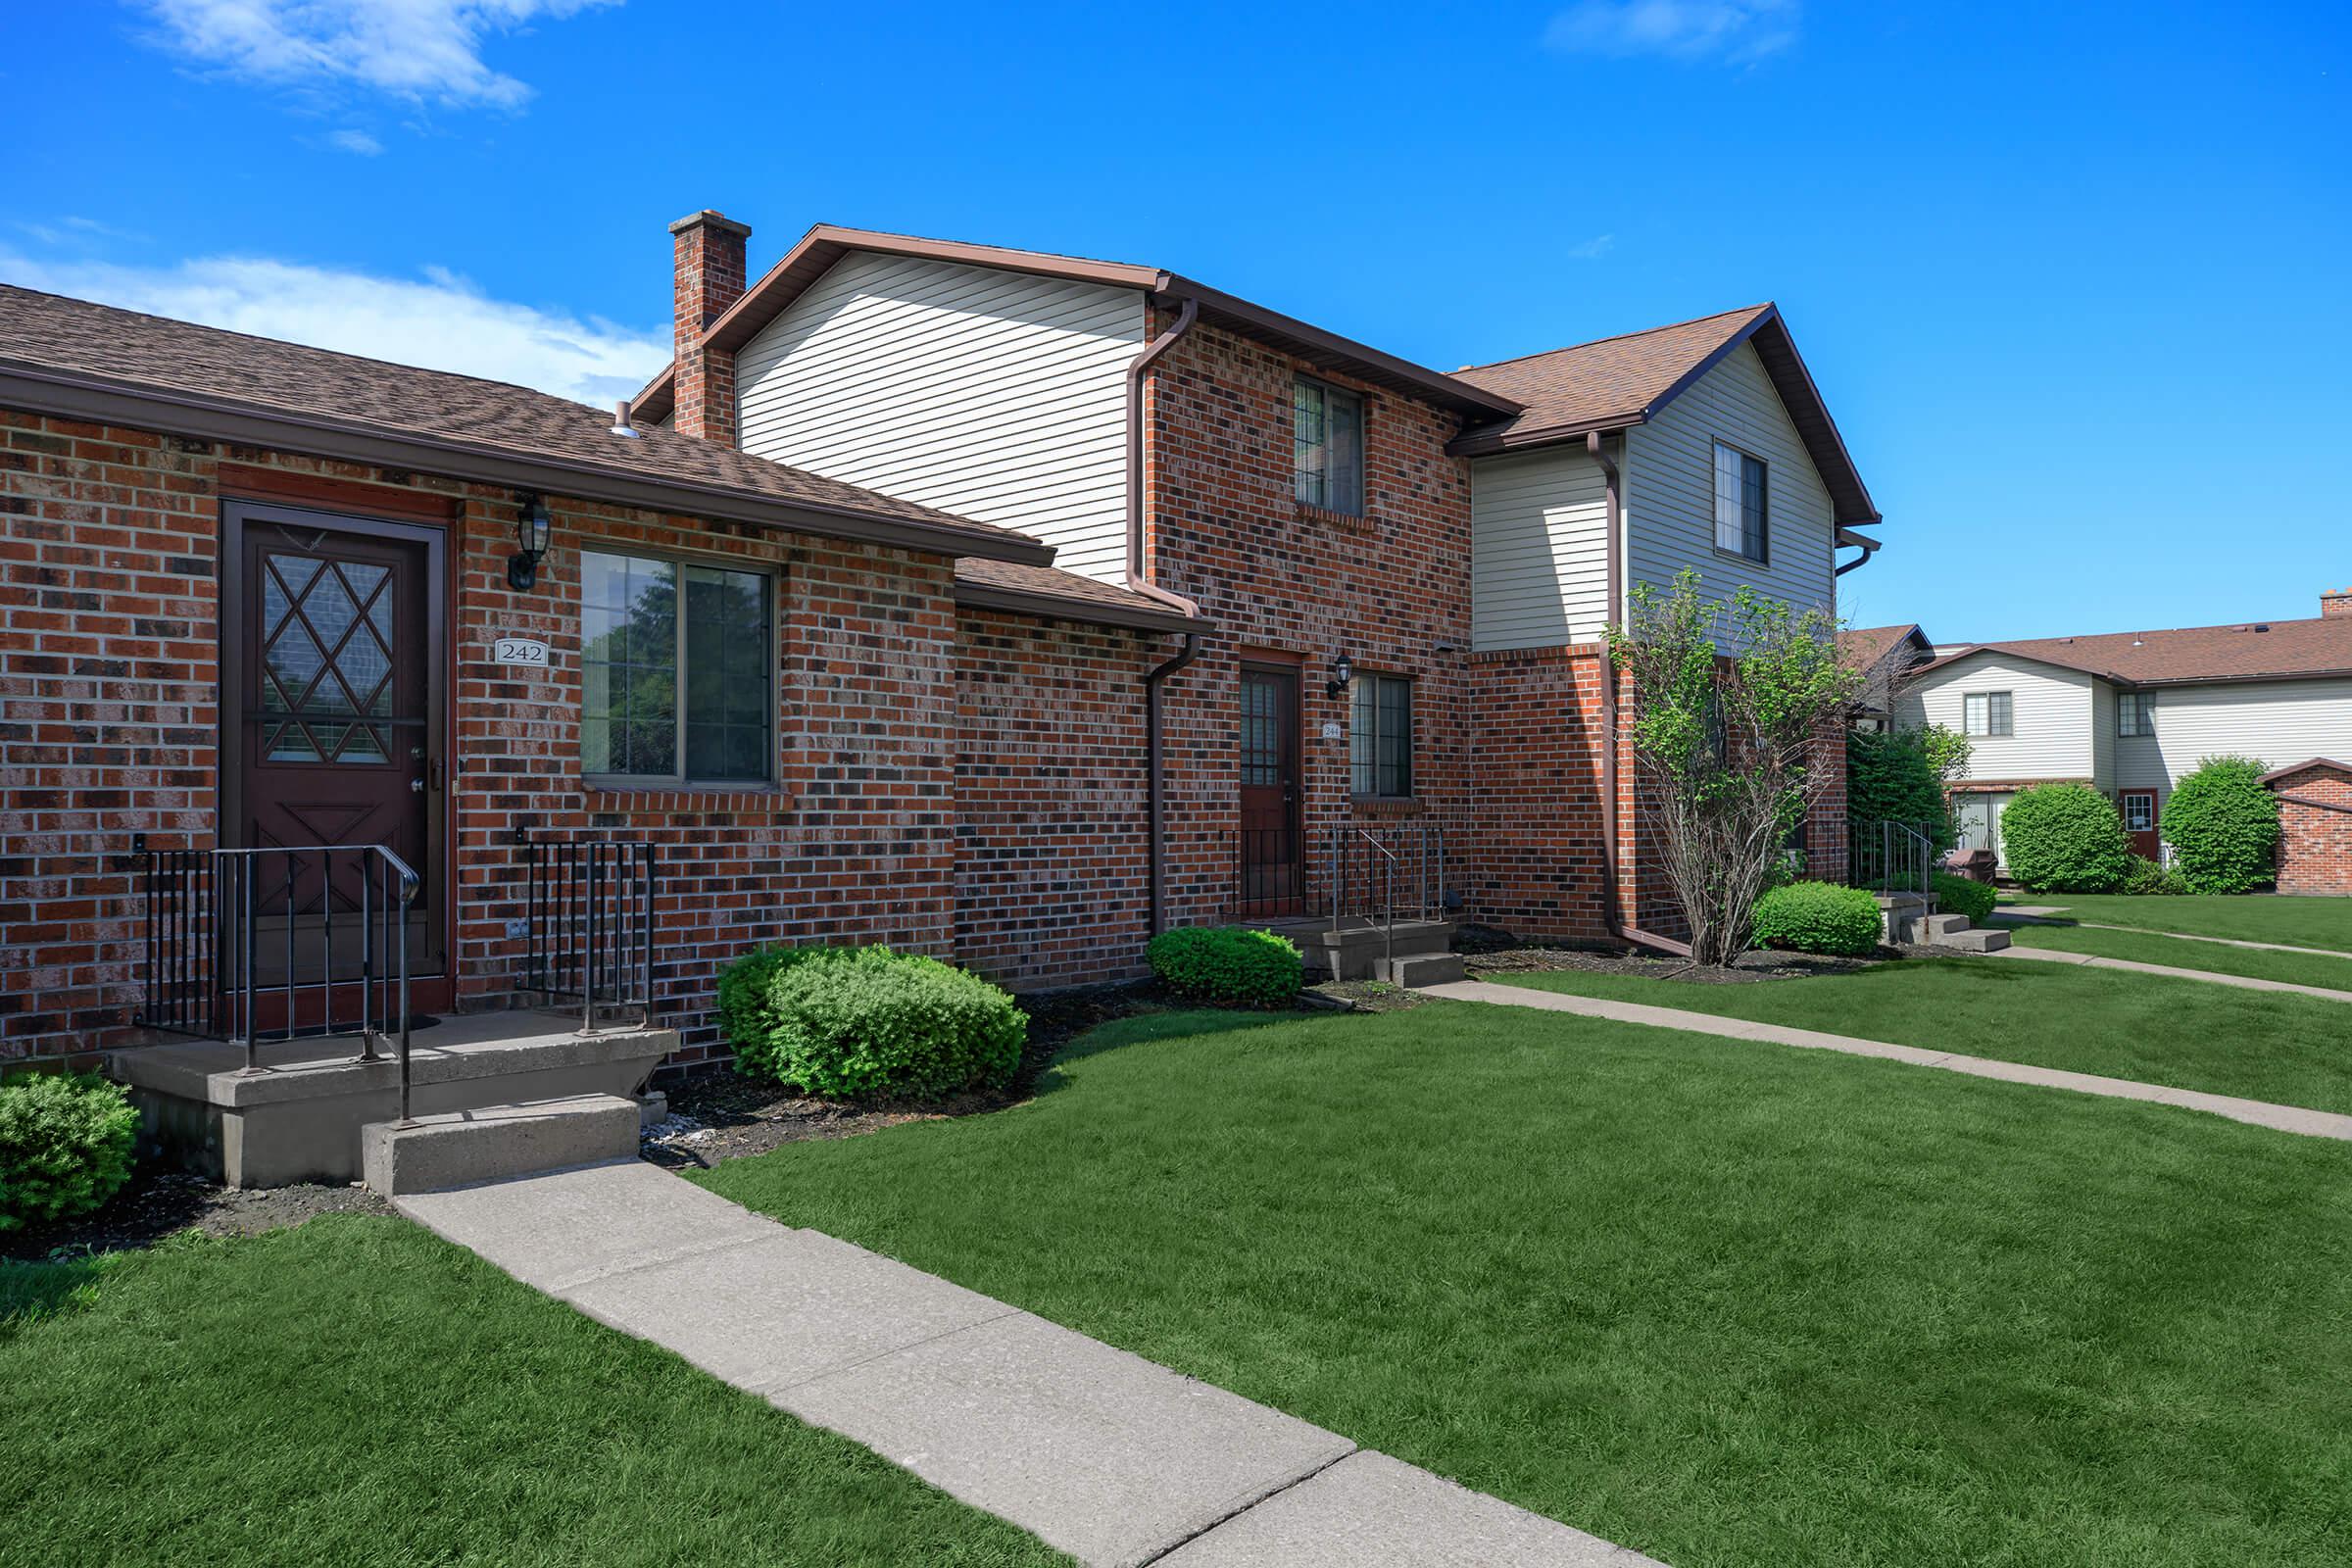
[[1271, 850], [2139, 820], [332, 693]]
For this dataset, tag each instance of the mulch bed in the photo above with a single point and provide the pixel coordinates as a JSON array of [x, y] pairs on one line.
[[1747, 968], [160, 1201]]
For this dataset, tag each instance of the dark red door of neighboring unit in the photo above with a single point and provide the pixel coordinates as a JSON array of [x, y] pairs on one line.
[[1272, 853], [2138, 808], [333, 674]]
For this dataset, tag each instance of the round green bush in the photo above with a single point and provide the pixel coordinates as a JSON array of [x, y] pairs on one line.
[[1959, 895], [2147, 878], [855, 1023], [66, 1147], [1819, 917], [2065, 838], [1227, 964], [2222, 825]]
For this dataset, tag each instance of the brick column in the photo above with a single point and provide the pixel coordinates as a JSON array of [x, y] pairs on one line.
[[706, 276]]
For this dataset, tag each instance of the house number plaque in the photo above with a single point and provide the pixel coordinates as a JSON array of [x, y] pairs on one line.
[[518, 650]]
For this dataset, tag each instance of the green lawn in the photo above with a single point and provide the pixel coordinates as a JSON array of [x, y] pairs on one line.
[[1732, 1304], [2190, 1034], [2256, 918], [2296, 968], [357, 1391]]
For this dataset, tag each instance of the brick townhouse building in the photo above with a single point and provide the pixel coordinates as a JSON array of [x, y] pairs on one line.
[[991, 603]]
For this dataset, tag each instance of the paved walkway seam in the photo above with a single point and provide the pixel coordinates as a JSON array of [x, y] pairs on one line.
[[2254, 1113], [2243, 981], [2034, 915]]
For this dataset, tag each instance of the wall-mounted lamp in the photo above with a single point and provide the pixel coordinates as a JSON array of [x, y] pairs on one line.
[[531, 528], [1343, 671]]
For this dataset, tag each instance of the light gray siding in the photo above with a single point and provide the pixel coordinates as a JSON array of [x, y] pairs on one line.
[[995, 395], [2103, 719], [1670, 491], [2050, 708], [1539, 539], [2275, 722]]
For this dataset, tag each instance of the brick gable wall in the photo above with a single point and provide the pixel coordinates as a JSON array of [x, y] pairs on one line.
[[2314, 832]]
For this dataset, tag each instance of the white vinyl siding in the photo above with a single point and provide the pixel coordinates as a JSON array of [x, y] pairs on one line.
[[2102, 735], [995, 395], [2050, 716], [2276, 723], [1670, 479], [1538, 543]]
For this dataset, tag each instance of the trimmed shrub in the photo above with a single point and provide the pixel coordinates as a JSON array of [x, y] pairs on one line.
[[2065, 838], [1958, 895], [1897, 776], [2222, 826], [1227, 963], [853, 1023], [1819, 917], [66, 1147], [2147, 878]]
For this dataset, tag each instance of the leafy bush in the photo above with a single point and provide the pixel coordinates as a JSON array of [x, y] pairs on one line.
[[2146, 877], [66, 1147], [1898, 776], [1959, 895], [2222, 825], [1227, 964], [2065, 838], [1819, 917], [846, 1023]]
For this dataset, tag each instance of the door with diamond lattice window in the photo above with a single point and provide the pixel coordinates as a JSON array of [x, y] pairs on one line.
[[333, 702]]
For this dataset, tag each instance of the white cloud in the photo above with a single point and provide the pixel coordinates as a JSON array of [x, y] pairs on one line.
[[414, 49], [1737, 30], [444, 323], [1594, 248], [355, 141]]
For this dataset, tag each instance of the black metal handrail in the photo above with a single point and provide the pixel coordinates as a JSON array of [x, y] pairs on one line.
[[1363, 857], [1893, 858], [219, 922], [589, 919]]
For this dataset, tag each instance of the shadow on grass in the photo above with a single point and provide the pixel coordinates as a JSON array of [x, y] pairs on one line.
[[32, 1292], [1153, 1028]]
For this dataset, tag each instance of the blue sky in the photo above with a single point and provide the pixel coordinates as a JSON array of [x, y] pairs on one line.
[[2077, 286]]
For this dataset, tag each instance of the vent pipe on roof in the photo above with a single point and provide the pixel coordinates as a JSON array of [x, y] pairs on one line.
[[621, 421]]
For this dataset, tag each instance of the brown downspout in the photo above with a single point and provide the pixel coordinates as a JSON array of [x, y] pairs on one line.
[[1614, 514], [1155, 768]]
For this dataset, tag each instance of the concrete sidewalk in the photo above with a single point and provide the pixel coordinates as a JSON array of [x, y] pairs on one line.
[[2055, 915], [1103, 1454], [2243, 981], [2258, 1112]]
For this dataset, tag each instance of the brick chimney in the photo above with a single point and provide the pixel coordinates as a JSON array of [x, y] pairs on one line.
[[706, 276], [2337, 603]]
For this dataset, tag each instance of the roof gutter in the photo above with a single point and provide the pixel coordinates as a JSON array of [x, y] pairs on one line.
[[1156, 783], [104, 400], [1868, 546], [1614, 556]]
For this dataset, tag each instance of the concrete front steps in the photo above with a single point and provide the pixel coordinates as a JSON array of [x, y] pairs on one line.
[[495, 1142], [1362, 950], [1911, 920]]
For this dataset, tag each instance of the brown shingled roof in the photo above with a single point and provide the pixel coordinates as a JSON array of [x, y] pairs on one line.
[[84, 361], [1051, 591], [1865, 647], [2277, 650], [1614, 383]]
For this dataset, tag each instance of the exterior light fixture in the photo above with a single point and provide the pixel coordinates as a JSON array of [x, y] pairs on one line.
[[1343, 671], [531, 527]]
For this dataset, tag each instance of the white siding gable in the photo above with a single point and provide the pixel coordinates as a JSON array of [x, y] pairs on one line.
[[995, 395], [1670, 491], [1538, 567], [2051, 715], [2276, 723]]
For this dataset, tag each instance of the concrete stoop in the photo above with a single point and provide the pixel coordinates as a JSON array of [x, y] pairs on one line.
[[1913, 920], [460, 1148], [1423, 969]]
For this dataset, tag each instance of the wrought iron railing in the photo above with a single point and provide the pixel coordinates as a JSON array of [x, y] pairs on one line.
[[1891, 858], [1376, 873], [1269, 872], [589, 914], [249, 945]]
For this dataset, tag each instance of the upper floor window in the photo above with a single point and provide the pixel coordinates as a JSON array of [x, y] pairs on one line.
[[1327, 431], [677, 663], [1742, 524], [1987, 714], [2136, 714], [1381, 736]]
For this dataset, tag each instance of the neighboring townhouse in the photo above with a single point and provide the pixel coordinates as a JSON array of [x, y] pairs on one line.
[[996, 605], [2129, 713], [1885, 656]]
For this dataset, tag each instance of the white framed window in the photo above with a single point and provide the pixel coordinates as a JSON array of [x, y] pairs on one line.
[[2140, 810], [677, 670], [1987, 713], [1326, 437], [1743, 519], [1380, 740], [2136, 714]]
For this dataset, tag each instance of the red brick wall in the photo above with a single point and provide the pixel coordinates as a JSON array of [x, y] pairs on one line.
[[1535, 865], [2314, 832], [1390, 589], [707, 276], [109, 714], [1051, 882]]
